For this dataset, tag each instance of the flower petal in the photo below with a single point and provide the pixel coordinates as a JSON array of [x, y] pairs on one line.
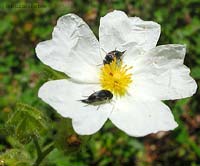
[[64, 96], [73, 49], [160, 73], [146, 33], [139, 118], [90, 120], [122, 32]]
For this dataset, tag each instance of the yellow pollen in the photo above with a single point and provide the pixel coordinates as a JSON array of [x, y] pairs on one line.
[[114, 77]]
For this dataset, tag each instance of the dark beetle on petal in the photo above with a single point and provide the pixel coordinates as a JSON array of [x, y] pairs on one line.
[[98, 97], [111, 55]]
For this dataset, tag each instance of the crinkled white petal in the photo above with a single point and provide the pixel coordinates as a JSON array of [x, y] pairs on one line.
[[160, 73], [118, 31], [146, 33], [139, 118], [73, 49], [64, 96]]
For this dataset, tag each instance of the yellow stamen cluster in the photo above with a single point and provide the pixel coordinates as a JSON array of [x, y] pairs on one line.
[[114, 77]]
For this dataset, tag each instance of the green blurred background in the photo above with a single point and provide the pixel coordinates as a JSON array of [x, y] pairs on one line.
[[25, 23]]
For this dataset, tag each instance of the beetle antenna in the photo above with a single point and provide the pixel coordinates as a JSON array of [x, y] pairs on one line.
[[98, 107], [104, 50], [101, 54], [123, 51], [100, 64]]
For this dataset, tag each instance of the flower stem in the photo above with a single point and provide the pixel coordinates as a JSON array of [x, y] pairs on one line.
[[37, 146], [41, 154]]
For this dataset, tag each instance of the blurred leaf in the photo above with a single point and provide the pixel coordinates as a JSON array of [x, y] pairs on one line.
[[51, 74], [15, 157], [183, 135], [27, 121], [66, 139], [58, 158], [195, 147], [196, 72], [5, 26], [43, 32]]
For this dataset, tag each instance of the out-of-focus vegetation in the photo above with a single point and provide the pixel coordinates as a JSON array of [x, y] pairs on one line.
[[25, 23]]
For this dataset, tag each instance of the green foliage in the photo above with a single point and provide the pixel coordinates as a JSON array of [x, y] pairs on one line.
[[20, 78], [66, 139], [49, 73], [15, 157], [26, 122], [196, 72]]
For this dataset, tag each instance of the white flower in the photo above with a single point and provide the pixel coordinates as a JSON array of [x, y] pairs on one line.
[[147, 75]]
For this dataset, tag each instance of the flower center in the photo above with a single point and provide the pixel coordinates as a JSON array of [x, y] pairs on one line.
[[114, 77]]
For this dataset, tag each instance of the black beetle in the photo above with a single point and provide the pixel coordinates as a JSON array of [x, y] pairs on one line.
[[111, 55], [98, 97]]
